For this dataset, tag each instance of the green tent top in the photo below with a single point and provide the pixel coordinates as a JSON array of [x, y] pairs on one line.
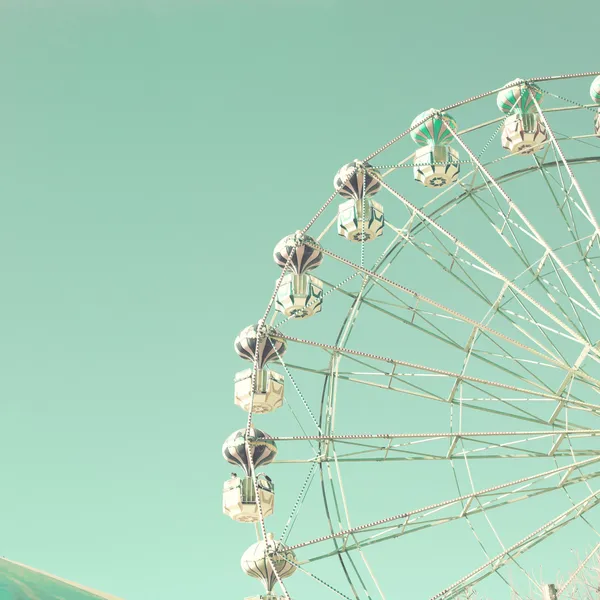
[[18, 582]]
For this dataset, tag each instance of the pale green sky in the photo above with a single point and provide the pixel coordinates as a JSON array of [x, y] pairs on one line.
[[151, 154]]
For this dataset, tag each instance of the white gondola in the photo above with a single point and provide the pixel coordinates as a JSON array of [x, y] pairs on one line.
[[354, 227], [268, 390], [239, 498], [282, 564], [436, 166], [524, 134], [299, 296], [359, 182]]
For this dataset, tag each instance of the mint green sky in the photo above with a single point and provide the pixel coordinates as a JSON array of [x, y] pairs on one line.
[[151, 154]]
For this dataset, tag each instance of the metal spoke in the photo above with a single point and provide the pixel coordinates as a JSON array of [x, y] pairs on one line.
[[456, 502], [520, 547]]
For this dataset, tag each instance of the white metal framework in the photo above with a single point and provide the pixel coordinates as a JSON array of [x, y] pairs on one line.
[[450, 385]]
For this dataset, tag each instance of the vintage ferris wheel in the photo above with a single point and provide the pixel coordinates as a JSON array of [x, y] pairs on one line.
[[428, 364]]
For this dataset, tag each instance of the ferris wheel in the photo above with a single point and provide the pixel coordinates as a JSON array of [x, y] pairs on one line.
[[428, 364]]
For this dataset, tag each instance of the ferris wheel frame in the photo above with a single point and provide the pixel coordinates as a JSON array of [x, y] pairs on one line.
[[481, 500]]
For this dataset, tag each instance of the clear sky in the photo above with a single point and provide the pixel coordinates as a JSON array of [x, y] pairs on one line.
[[151, 154]]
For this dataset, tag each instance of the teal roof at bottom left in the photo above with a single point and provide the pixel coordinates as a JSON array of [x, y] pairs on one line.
[[18, 582]]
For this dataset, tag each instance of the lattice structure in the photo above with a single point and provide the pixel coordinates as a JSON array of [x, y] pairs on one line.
[[448, 389]]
